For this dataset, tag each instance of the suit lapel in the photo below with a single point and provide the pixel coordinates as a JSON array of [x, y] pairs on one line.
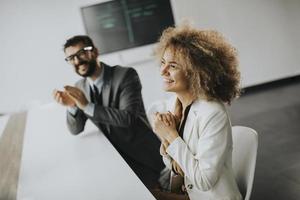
[[106, 85]]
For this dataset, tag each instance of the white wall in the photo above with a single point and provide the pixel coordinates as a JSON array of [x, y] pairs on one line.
[[265, 33], [33, 32]]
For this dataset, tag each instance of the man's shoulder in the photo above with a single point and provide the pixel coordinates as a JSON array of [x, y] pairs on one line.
[[119, 71]]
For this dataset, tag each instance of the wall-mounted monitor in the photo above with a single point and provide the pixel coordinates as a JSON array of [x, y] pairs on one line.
[[124, 24]]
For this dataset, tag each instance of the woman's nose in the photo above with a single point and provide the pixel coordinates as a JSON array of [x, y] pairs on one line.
[[163, 69]]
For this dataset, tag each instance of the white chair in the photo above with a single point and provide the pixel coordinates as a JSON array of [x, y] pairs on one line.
[[245, 142]]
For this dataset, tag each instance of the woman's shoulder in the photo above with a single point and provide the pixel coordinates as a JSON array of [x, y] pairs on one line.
[[206, 107], [211, 112]]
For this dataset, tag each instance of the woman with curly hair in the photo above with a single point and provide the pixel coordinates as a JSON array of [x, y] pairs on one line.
[[201, 68]]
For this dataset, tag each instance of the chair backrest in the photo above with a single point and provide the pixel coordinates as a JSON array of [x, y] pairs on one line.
[[245, 143]]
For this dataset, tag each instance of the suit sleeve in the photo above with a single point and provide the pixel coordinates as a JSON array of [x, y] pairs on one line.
[[130, 104], [204, 167], [76, 122]]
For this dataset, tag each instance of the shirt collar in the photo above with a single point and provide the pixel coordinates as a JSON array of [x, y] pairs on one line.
[[98, 82]]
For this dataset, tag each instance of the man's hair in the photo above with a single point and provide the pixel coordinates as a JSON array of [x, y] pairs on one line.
[[210, 62], [86, 40]]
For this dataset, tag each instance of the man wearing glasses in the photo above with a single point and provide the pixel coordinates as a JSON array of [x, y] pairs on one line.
[[111, 98]]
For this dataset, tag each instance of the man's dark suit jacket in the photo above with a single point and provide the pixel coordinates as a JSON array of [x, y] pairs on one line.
[[122, 119]]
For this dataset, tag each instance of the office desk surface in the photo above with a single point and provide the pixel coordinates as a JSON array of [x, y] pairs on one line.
[[3, 122], [58, 165]]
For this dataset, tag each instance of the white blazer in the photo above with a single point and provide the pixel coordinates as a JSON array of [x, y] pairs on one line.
[[205, 151]]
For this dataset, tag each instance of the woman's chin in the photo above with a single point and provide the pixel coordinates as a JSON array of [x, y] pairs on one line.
[[168, 89]]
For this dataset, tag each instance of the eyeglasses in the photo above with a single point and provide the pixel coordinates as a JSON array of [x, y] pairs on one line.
[[79, 54]]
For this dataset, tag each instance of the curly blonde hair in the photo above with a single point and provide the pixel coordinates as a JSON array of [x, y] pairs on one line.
[[210, 62]]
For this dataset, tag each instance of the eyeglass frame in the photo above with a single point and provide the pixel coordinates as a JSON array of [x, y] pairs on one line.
[[78, 54]]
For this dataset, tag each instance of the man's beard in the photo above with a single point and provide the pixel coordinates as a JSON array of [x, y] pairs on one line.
[[91, 68]]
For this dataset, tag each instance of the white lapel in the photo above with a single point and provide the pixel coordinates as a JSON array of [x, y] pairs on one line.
[[191, 121]]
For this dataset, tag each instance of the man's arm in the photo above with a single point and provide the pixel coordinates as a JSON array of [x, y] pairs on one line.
[[76, 122], [75, 117]]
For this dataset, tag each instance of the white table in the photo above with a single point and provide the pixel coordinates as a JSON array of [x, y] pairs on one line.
[[3, 122], [57, 165]]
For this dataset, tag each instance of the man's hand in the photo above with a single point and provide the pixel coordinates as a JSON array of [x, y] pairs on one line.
[[77, 96], [63, 98]]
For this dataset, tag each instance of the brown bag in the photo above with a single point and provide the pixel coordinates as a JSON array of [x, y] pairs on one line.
[[177, 184], [163, 195]]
